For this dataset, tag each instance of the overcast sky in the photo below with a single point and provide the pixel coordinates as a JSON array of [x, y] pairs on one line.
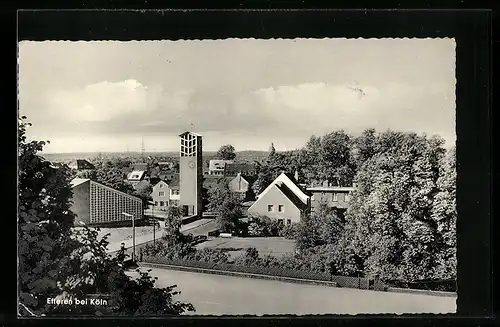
[[107, 96]]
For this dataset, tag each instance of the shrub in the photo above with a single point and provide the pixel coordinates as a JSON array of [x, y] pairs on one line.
[[288, 231], [250, 257], [264, 226], [210, 255]]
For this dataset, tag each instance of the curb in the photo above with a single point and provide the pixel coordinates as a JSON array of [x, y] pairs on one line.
[[421, 292], [238, 274]]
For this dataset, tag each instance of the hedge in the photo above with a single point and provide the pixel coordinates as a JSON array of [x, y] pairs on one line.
[[342, 281]]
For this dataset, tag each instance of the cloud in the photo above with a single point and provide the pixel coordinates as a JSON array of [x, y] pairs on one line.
[[106, 101], [320, 107], [129, 107]]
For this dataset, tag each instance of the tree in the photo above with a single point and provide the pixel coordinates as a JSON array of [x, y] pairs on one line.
[[227, 207], [389, 225], [226, 152], [113, 177], [173, 221], [48, 242], [44, 223], [265, 176], [364, 146], [444, 212], [143, 191], [272, 152]]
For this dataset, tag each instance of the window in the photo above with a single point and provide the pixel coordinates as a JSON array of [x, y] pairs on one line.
[[334, 197], [161, 193], [346, 197], [270, 208], [281, 208], [156, 203], [280, 221], [161, 185], [161, 203], [288, 221]]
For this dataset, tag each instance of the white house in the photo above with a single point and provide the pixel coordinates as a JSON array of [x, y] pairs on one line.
[[161, 194], [282, 200], [136, 176], [217, 167]]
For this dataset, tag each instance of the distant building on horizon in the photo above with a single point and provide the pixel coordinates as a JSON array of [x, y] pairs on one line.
[[136, 176], [217, 167], [81, 164], [94, 203], [244, 168]]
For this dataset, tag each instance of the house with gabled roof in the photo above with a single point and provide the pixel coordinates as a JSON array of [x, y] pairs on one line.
[[136, 176], [282, 200], [217, 167], [241, 185], [161, 194]]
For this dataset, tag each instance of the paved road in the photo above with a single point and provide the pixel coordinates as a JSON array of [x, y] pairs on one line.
[[219, 295], [198, 227]]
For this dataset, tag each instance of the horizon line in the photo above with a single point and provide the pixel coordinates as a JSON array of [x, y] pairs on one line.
[[138, 152]]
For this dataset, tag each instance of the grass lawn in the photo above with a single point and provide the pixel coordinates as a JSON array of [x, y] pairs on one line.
[[276, 246]]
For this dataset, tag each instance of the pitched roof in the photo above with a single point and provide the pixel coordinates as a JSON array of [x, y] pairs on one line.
[[84, 164], [215, 164], [140, 184], [248, 179], [289, 183], [77, 181], [330, 189], [209, 182], [155, 180], [243, 168], [136, 175], [174, 182], [291, 196], [141, 166]]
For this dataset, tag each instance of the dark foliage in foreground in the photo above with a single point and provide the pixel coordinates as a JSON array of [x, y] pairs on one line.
[[57, 260]]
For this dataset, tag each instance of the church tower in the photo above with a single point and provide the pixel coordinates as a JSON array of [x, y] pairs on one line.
[[191, 174]]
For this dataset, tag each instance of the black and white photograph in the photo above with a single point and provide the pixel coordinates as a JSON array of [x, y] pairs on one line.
[[299, 176]]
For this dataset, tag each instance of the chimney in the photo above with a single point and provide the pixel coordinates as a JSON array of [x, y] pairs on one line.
[[325, 184], [296, 176]]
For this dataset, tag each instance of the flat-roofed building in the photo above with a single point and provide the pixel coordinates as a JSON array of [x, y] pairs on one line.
[[334, 196]]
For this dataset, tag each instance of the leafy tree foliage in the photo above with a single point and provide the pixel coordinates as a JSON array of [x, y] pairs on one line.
[[44, 223], [143, 191], [391, 226], [48, 241], [173, 221], [227, 207], [226, 152], [272, 152], [264, 226]]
